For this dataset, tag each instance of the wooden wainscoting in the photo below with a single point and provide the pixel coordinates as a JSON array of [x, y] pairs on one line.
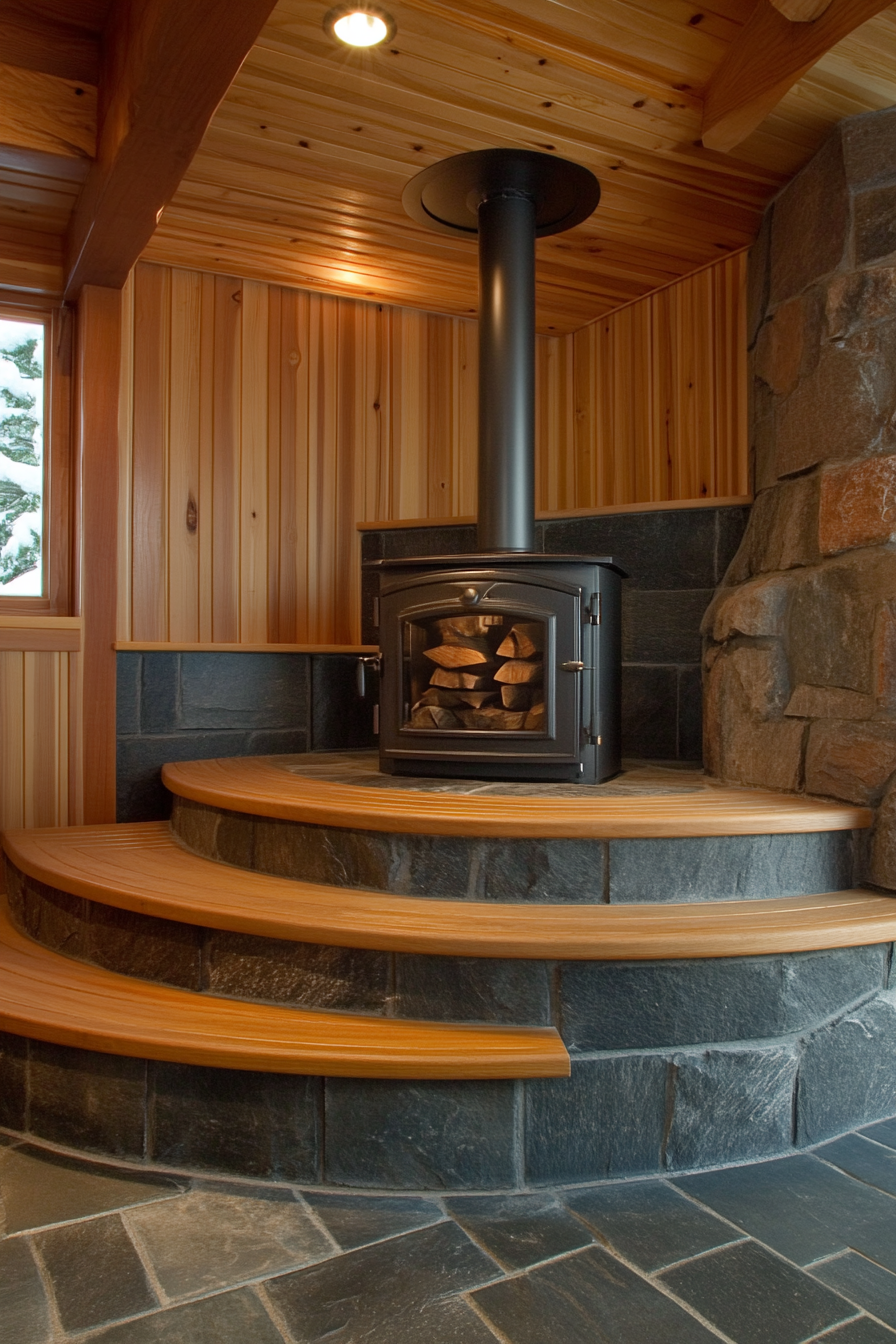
[[261, 424]]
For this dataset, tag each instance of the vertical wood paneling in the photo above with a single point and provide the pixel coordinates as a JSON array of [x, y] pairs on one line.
[[35, 718], [289, 417]]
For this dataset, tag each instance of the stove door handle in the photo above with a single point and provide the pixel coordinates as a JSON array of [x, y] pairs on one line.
[[373, 661], [575, 667]]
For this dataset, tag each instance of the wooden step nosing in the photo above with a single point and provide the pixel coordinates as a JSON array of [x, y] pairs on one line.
[[348, 917]]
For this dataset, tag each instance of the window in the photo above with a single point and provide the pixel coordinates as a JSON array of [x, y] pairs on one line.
[[22, 474]]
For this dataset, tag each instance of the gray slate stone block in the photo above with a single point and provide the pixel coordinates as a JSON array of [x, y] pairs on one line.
[[862, 1282], [242, 691], [13, 1080], [731, 1105], [159, 692], [473, 989], [312, 975], [340, 719], [87, 1100], [740, 867], [663, 626], [519, 1230], [672, 548], [606, 1119], [140, 794], [649, 1223], [817, 984], [848, 1071], [227, 1318], [24, 1310], [128, 682], [426, 1135], [867, 1161], [116, 1287], [649, 712], [357, 1220]]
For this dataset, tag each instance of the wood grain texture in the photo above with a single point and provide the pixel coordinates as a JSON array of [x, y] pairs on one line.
[[265, 424], [52, 998], [142, 869], [46, 113], [37, 710], [253, 784]]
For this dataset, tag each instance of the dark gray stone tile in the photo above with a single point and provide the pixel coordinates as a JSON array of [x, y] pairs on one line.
[[87, 1100], [649, 1223], [649, 714], [672, 548], [242, 691], [370, 587], [140, 945], [663, 626], [731, 1105], [277, 742], [690, 714], [334, 855], [340, 718], [426, 1135], [405, 542], [54, 918], [249, 1124], [862, 1282], [862, 1159], [140, 794], [116, 1285], [847, 1071], [356, 1220], [546, 871], [159, 692], [606, 1119], [614, 1005], [473, 989], [229, 1318], [816, 984], [392, 1291], [211, 1239], [13, 1080], [587, 1298], [860, 1331], [310, 974], [128, 681], [731, 524], [745, 1291], [40, 1188], [742, 867], [519, 1230], [883, 1132], [24, 1311], [801, 1208], [371, 546]]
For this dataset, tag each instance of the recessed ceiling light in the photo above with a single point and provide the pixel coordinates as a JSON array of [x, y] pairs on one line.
[[359, 25]]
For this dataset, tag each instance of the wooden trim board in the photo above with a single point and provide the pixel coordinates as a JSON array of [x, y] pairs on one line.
[[140, 867], [53, 998], [253, 784], [152, 646]]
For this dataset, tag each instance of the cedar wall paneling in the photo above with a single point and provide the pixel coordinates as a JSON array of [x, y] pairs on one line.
[[262, 424], [36, 692]]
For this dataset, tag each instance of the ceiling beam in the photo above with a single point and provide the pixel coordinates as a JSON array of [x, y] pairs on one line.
[[768, 56], [47, 115], [166, 66], [36, 39], [801, 11]]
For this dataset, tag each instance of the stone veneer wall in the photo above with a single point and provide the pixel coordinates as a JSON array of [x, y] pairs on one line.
[[674, 559], [800, 641]]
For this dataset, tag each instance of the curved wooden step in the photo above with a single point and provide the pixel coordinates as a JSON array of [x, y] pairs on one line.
[[266, 786], [140, 867], [52, 998]]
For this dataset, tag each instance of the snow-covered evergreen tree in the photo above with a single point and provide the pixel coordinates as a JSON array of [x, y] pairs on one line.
[[21, 456]]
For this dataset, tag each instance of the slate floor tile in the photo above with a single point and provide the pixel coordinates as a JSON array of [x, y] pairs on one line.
[[866, 1161], [356, 1220], [24, 1312], [860, 1331], [381, 1293], [519, 1230], [96, 1274], [801, 1208], [649, 1223], [586, 1298], [883, 1132], [229, 1318], [208, 1239], [39, 1188], [756, 1298], [863, 1282]]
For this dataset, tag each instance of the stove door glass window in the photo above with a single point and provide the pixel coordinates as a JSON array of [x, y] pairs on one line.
[[474, 673]]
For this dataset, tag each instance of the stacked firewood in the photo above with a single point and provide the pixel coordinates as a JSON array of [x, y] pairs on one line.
[[483, 678]]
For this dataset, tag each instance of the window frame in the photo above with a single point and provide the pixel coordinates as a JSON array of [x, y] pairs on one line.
[[56, 560]]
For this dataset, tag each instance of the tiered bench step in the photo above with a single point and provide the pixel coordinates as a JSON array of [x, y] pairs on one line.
[[141, 868], [265, 786], [53, 998]]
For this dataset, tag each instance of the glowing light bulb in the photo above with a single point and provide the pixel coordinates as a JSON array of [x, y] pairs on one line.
[[361, 29]]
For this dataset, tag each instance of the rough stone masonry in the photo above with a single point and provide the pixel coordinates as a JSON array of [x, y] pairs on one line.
[[800, 639]]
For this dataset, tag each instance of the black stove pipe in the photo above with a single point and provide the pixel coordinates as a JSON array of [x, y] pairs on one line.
[[506, 372]]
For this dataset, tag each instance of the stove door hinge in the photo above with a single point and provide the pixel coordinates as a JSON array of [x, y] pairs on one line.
[[592, 612]]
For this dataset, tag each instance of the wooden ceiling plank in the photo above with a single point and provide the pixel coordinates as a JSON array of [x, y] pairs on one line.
[[34, 39], [768, 57], [44, 114], [166, 67]]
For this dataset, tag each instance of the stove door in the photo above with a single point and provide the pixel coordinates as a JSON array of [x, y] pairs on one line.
[[482, 666]]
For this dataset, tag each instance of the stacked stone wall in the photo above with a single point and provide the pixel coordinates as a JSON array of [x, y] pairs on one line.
[[800, 639]]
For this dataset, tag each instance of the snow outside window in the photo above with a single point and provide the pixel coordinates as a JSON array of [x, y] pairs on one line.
[[21, 457]]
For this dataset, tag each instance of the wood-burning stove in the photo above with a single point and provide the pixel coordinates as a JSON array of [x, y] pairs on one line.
[[503, 664]]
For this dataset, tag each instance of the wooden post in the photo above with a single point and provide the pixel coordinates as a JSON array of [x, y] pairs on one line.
[[97, 385]]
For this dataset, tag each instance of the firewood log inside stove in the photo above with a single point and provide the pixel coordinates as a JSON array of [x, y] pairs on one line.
[[467, 681], [490, 717], [434, 716], [449, 699], [535, 718], [516, 671], [516, 696], [463, 651], [524, 640], [451, 628]]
